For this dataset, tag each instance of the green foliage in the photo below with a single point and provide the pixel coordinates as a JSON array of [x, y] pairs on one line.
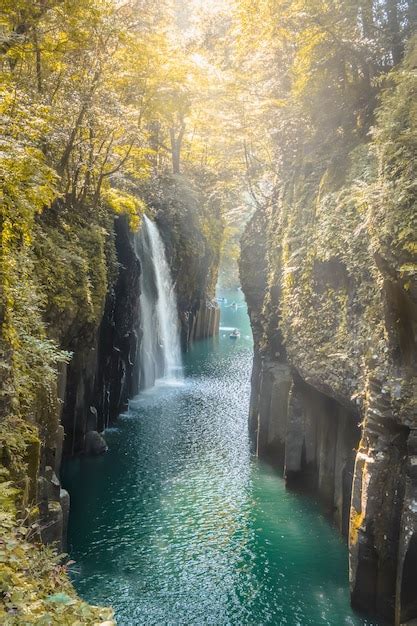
[[16, 436], [392, 199], [30, 575], [128, 204], [68, 128], [341, 228], [73, 272], [193, 230]]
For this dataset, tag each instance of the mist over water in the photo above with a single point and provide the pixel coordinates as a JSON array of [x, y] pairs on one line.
[[180, 524]]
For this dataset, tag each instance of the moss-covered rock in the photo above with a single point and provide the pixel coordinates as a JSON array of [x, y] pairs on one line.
[[34, 585], [333, 296], [192, 228]]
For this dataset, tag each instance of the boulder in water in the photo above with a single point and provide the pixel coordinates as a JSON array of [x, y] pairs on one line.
[[95, 443]]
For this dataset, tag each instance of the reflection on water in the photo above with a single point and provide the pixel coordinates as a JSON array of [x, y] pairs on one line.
[[178, 524]]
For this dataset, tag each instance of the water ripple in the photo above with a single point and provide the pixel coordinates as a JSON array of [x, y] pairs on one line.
[[177, 524]]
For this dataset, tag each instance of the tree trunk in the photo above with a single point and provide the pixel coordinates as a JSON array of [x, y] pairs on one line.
[[367, 18], [412, 14], [38, 62], [63, 162], [176, 144], [397, 49]]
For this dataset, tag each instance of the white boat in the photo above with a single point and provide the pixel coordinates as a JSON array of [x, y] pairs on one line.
[[235, 334]]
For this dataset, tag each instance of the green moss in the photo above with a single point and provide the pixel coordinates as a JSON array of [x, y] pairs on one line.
[[328, 272], [337, 236], [32, 460], [72, 271], [392, 198], [193, 230]]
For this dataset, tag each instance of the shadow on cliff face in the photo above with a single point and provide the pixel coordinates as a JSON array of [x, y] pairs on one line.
[[103, 373], [100, 377], [408, 587], [310, 438]]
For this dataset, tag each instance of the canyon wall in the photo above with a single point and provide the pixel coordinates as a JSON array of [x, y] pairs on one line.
[[329, 272], [90, 274], [102, 375], [192, 232]]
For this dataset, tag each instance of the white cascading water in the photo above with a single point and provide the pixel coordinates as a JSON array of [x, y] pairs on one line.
[[160, 350]]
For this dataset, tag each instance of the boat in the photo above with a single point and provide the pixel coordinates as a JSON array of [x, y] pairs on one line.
[[235, 334]]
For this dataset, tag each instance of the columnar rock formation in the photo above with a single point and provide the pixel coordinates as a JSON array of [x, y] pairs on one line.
[[102, 375], [192, 233], [329, 275]]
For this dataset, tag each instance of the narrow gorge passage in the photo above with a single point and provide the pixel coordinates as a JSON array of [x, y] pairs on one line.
[[180, 524]]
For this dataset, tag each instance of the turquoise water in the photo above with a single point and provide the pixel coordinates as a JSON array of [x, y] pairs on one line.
[[179, 524]]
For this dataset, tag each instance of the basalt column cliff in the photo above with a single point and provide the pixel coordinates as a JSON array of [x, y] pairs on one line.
[[329, 272], [102, 375]]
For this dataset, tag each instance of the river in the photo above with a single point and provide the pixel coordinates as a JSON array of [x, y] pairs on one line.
[[178, 524]]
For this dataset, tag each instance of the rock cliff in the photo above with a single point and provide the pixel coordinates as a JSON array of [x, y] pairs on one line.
[[90, 277], [332, 296], [102, 375], [193, 235]]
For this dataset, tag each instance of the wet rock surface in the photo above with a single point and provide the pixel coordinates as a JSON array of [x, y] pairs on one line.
[[193, 249], [95, 444], [100, 376]]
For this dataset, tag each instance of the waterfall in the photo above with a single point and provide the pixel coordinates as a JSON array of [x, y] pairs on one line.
[[160, 351]]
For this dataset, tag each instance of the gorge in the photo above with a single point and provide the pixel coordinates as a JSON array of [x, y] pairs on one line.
[[179, 518], [208, 307]]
